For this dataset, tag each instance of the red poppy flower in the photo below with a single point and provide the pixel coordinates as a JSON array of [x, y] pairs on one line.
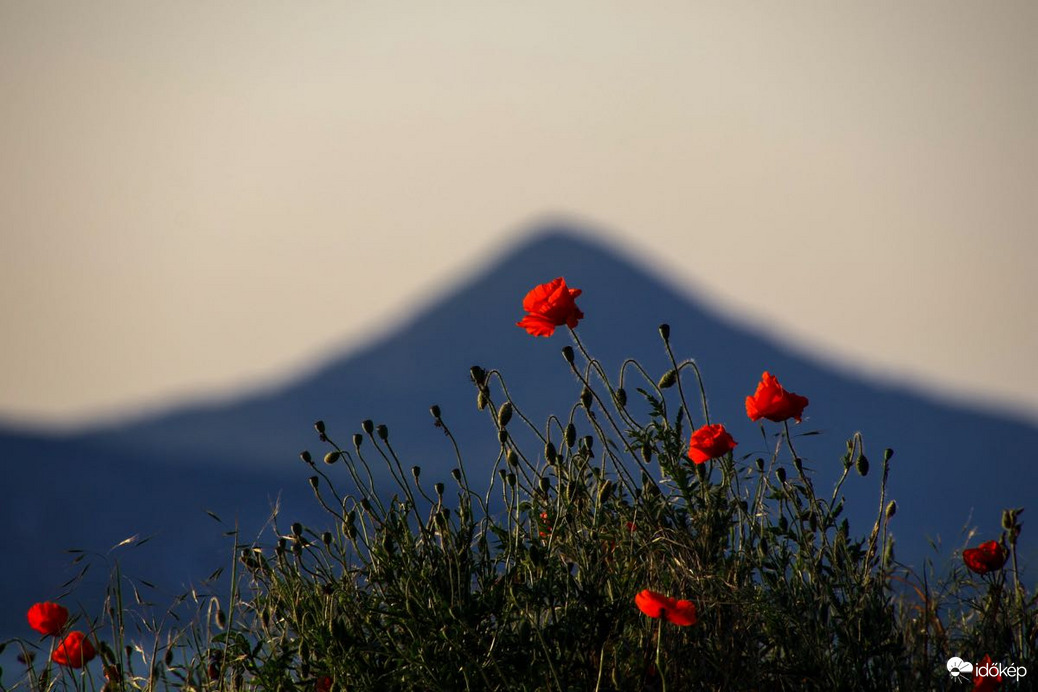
[[324, 684], [986, 682], [74, 651], [986, 557], [710, 442], [47, 618], [773, 402], [548, 306], [656, 605]]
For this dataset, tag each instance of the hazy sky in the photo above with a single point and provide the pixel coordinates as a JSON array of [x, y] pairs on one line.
[[196, 196]]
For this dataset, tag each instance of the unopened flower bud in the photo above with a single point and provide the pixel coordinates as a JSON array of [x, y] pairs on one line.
[[669, 379], [297, 529], [550, 454], [456, 474], [798, 464], [665, 331], [435, 411], [305, 456], [759, 463], [314, 481], [383, 432], [780, 473], [331, 457], [891, 510], [567, 353], [606, 491], [482, 399], [571, 435], [620, 397], [862, 465], [887, 453], [319, 426], [502, 436], [358, 439], [585, 398], [326, 538], [504, 414], [365, 504], [646, 452], [221, 619], [545, 484], [438, 487], [510, 479], [587, 442], [478, 374], [512, 458], [416, 471], [367, 426]]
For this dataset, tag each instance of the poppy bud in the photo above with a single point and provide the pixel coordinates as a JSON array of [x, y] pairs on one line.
[[305, 456], [221, 619], [313, 482], [891, 510], [587, 442], [669, 379], [331, 457], [383, 432], [502, 473], [606, 491], [550, 454], [647, 452], [326, 538], [567, 353], [665, 331], [365, 504], [478, 375], [358, 439], [760, 464], [502, 436], [545, 484], [510, 479], [504, 414], [297, 529], [585, 398], [780, 473], [456, 474], [351, 531], [435, 411], [438, 487], [416, 471], [888, 553], [862, 465], [168, 658], [482, 399], [280, 547], [571, 435], [620, 397], [367, 426], [763, 544], [798, 464], [512, 458], [319, 426], [887, 453], [783, 523]]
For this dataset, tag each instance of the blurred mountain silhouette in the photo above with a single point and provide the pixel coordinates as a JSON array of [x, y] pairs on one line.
[[954, 467]]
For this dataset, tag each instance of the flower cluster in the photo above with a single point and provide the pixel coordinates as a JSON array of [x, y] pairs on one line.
[[75, 649], [552, 305]]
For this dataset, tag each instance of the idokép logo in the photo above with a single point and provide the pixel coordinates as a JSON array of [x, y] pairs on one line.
[[966, 671]]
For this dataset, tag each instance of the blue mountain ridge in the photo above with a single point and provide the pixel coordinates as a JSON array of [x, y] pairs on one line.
[[954, 467]]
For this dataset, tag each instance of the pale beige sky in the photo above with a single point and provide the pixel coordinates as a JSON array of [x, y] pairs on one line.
[[203, 196]]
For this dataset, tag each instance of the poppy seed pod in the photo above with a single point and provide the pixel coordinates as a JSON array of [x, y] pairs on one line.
[[314, 481], [305, 456], [567, 353], [367, 426], [319, 426], [383, 432], [331, 457], [326, 538], [297, 529], [456, 474], [435, 411], [358, 440], [416, 471], [887, 453], [438, 488], [504, 414], [478, 375], [669, 379]]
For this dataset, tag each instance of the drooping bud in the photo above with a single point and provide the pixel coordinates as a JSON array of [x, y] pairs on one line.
[[567, 353], [502, 437], [665, 331], [669, 379], [504, 414], [798, 464], [479, 375], [510, 479], [365, 504], [550, 454], [438, 488], [482, 399], [314, 481], [331, 457], [586, 398], [620, 397], [571, 435], [862, 465], [221, 619]]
